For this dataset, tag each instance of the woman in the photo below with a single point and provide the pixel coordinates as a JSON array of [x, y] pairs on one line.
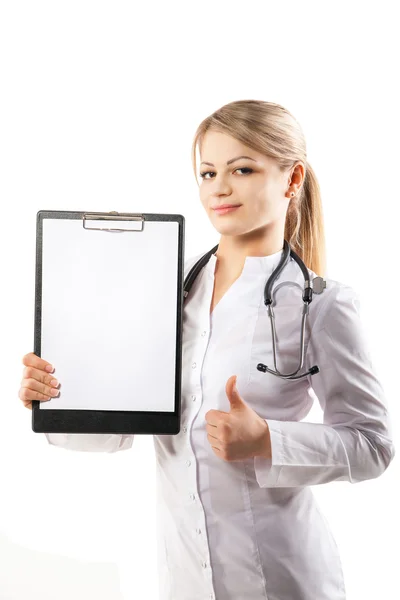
[[237, 517]]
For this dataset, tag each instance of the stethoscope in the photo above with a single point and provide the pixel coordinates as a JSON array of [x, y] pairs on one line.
[[318, 285]]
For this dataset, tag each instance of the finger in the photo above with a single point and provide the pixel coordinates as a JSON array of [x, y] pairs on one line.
[[27, 402], [31, 389], [39, 375], [211, 431], [32, 360], [213, 441]]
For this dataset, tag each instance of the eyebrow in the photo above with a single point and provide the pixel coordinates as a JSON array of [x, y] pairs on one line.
[[229, 161]]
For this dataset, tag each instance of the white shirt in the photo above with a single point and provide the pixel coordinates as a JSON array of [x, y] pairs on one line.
[[252, 529]]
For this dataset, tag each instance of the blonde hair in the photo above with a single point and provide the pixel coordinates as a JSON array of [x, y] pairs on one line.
[[271, 130]]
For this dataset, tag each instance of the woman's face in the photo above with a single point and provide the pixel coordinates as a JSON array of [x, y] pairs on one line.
[[257, 185]]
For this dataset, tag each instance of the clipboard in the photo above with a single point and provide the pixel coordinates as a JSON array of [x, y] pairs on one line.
[[108, 316]]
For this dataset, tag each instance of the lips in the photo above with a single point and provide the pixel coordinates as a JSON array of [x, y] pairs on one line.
[[225, 206], [224, 211]]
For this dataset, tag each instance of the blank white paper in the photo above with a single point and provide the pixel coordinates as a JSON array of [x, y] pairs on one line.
[[109, 314]]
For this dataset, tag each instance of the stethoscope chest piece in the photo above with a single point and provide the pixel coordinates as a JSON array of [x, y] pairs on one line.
[[319, 284]]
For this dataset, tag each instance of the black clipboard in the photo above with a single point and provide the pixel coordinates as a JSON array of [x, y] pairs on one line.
[[108, 315]]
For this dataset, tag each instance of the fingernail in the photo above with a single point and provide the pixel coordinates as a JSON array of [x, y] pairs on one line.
[[49, 368]]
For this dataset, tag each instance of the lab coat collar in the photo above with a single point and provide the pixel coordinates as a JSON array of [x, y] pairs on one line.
[[253, 265]]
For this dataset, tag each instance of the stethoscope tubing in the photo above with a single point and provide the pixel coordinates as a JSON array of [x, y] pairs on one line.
[[307, 299]]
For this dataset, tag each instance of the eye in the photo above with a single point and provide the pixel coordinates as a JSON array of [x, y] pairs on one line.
[[204, 173]]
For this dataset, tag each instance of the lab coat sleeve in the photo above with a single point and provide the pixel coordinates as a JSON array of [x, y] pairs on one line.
[[91, 442], [354, 443]]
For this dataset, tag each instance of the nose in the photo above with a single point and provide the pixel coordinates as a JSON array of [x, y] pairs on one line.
[[220, 186]]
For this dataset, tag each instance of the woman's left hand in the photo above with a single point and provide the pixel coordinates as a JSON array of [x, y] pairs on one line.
[[239, 434]]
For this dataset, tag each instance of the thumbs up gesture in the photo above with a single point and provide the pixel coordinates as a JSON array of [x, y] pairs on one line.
[[240, 433]]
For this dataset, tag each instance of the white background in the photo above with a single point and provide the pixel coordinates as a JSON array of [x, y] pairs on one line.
[[99, 104]]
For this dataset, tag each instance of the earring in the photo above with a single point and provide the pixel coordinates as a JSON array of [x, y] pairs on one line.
[[292, 193]]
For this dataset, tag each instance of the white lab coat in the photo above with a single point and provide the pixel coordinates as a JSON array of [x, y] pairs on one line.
[[252, 529]]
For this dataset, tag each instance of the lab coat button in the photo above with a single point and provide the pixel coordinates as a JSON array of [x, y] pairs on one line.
[[188, 463], [192, 496], [194, 398], [198, 531], [204, 333], [204, 564], [193, 365], [184, 429]]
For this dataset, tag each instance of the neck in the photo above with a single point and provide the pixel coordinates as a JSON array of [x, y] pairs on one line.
[[232, 252]]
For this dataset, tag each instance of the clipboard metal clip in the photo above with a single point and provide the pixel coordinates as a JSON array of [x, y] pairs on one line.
[[131, 218]]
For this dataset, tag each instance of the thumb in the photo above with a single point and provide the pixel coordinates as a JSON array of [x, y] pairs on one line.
[[233, 394]]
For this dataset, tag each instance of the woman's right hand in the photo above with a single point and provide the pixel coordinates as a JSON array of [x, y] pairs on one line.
[[37, 381]]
